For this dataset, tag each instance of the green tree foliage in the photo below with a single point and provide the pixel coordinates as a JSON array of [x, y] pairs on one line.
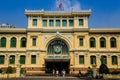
[[103, 69], [9, 70]]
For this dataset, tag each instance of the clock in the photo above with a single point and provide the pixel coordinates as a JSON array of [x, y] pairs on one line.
[[57, 49]]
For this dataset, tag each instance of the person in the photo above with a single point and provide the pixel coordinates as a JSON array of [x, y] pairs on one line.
[[57, 73], [79, 73], [64, 72], [53, 72]]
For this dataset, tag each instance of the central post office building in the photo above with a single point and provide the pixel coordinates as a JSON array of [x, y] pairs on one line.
[[58, 40]]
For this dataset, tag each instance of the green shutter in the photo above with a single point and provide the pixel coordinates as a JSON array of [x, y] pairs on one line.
[[23, 42], [93, 59], [12, 59], [81, 59], [2, 59], [3, 42], [114, 60], [13, 42], [58, 23], [113, 42], [33, 59], [44, 23], [22, 59], [71, 23], [81, 41], [34, 42], [104, 60]]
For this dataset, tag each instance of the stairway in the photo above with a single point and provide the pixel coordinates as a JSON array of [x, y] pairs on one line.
[[44, 78]]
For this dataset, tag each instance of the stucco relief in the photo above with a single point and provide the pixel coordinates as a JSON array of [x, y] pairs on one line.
[[69, 37]]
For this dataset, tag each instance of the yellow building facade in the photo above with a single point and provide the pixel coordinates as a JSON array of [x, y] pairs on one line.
[[59, 40]]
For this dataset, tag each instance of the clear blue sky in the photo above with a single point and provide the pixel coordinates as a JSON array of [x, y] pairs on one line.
[[105, 13]]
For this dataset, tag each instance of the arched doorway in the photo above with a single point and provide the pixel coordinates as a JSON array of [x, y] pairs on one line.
[[57, 56]]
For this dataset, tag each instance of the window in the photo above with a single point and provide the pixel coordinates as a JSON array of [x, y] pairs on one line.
[[44, 23], [2, 59], [102, 42], [71, 23], [34, 22], [58, 23], [33, 41], [81, 59], [64, 23], [23, 42], [114, 60], [51, 23], [33, 59], [92, 42], [80, 22], [81, 41], [103, 59], [12, 59], [3, 42], [93, 59], [22, 59], [13, 42], [113, 42]]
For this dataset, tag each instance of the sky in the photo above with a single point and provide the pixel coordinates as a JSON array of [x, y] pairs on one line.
[[105, 13]]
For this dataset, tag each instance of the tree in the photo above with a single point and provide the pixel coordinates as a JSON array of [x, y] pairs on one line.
[[9, 70], [103, 69]]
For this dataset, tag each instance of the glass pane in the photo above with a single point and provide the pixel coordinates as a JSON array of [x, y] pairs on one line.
[[92, 42], [93, 59], [102, 42], [34, 22], [81, 59], [80, 22], [2, 59], [34, 42], [81, 41], [114, 60], [64, 23], [23, 42], [57, 23], [51, 23], [13, 42], [113, 42], [71, 23], [3, 42], [22, 59], [33, 59], [44, 23], [12, 59]]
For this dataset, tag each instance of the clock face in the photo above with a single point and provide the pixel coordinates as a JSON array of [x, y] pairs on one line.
[[57, 49]]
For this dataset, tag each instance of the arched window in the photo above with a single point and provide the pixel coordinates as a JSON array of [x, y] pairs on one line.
[[13, 42], [3, 42], [103, 59], [102, 42], [2, 59], [93, 59], [114, 60], [92, 42], [113, 42], [23, 42], [12, 59], [22, 59]]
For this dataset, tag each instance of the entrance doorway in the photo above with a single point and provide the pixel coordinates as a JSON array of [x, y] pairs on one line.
[[57, 66]]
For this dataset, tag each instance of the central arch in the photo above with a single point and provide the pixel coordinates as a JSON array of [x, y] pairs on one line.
[[57, 47], [58, 57]]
